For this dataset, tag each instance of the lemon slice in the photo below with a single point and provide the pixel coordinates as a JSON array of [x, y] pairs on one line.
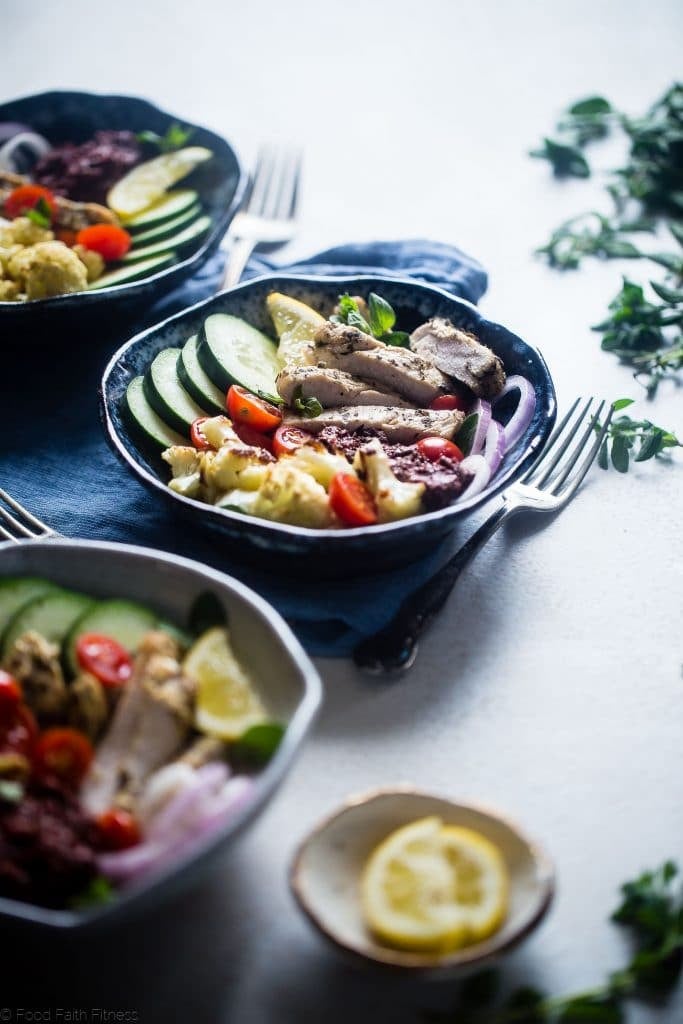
[[147, 182], [227, 703], [295, 324], [430, 887]]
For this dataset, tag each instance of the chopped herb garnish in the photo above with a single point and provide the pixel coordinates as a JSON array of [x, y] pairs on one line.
[[99, 891], [308, 407], [652, 910], [636, 440], [176, 137], [40, 214], [257, 745], [380, 324]]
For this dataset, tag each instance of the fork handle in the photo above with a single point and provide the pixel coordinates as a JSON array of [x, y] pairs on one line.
[[394, 648], [240, 252]]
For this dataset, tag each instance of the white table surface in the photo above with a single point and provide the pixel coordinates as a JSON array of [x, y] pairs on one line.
[[551, 685]]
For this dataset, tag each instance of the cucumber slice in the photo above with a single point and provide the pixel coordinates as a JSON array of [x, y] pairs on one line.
[[124, 621], [51, 615], [185, 237], [167, 396], [15, 592], [168, 206], [167, 227], [150, 426], [233, 352], [132, 272], [196, 381]]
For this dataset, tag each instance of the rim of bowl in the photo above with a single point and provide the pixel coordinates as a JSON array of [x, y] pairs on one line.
[[210, 241], [522, 462], [386, 957], [266, 782]]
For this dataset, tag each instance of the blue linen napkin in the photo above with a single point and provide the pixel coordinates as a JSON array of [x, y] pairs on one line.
[[57, 463]]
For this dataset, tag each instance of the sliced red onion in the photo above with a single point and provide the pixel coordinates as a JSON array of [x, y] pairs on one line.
[[176, 816], [219, 809], [482, 409], [477, 465], [36, 144], [494, 447], [123, 865], [523, 414]]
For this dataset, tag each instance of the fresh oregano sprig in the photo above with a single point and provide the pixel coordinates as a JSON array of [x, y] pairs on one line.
[[379, 322], [651, 908], [633, 440]]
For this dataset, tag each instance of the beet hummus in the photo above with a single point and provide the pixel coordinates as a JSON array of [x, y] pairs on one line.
[[86, 172]]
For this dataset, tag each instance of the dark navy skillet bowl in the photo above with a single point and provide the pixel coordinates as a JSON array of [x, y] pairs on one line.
[[74, 117], [297, 550]]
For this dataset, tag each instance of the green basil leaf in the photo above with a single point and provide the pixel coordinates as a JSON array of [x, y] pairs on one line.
[[356, 319], [465, 435], [622, 403], [382, 316], [258, 744], [400, 339], [98, 891], [308, 407]]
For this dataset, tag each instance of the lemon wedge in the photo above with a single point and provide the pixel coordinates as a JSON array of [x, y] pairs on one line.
[[295, 324], [430, 887], [227, 703], [147, 182]]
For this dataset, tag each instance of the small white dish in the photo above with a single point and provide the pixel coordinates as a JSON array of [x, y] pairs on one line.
[[326, 872]]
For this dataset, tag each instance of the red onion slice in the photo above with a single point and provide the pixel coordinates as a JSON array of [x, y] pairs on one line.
[[494, 447], [482, 409], [36, 144], [477, 465], [523, 414], [177, 815]]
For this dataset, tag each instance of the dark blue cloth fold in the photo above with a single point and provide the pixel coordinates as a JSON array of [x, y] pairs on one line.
[[55, 460]]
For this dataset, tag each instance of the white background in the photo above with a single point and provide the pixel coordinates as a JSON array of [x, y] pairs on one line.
[[551, 686]]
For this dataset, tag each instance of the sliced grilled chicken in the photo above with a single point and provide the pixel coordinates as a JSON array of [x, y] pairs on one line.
[[401, 425], [70, 214], [458, 354], [396, 369], [34, 663], [331, 388], [149, 727]]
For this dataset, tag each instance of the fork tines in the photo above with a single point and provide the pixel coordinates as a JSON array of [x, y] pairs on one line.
[[21, 525], [275, 188], [561, 469]]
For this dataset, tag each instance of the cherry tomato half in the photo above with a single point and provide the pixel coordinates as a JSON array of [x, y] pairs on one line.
[[197, 437], [66, 235], [109, 240], [352, 501], [118, 829], [64, 754], [254, 412], [10, 691], [288, 439], [435, 448], [104, 658], [450, 402], [18, 730], [253, 437], [27, 197]]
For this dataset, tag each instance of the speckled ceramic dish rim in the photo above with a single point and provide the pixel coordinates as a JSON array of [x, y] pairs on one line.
[[507, 473], [468, 957]]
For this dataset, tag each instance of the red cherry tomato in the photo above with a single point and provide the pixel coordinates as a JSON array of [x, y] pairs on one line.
[[352, 501], [435, 448], [450, 402], [288, 439], [109, 240], [10, 691], [18, 730], [253, 437], [104, 658], [27, 197], [64, 754], [254, 412], [197, 437], [118, 829], [66, 235]]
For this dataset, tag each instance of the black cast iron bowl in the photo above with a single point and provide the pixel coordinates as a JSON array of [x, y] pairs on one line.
[[286, 678], [296, 550], [73, 117]]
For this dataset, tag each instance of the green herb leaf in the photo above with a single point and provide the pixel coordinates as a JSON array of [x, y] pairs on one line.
[[622, 403], [566, 160], [382, 316], [465, 436], [258, 744], [206, 612], [355, 319], [400, 339], [591, 105], [40, 214], [620, 453], [176, 137], [308, 407], [99, 891]]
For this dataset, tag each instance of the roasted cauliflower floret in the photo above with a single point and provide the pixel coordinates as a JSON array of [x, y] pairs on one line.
[[9, 291], [48, 268], [319, 463], [185, 463], [91, 260], [6, 254], [237, 465], [290, 496], [394, 499], [218, 431], [23, 231]]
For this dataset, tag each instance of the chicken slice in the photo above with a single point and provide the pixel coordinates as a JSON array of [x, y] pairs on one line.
[[34, 663], [330, 387], [87, 707], [401, 426], [149, 727], [384, 366], [458, 354]]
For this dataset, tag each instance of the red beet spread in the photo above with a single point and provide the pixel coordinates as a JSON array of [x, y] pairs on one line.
[[87, 172]]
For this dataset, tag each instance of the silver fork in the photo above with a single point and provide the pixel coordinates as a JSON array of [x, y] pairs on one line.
[[547, 487], [269, 217], [22, 525]]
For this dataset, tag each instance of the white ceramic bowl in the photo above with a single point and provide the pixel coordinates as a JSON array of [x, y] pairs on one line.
[[325, 876], [286, 678]]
